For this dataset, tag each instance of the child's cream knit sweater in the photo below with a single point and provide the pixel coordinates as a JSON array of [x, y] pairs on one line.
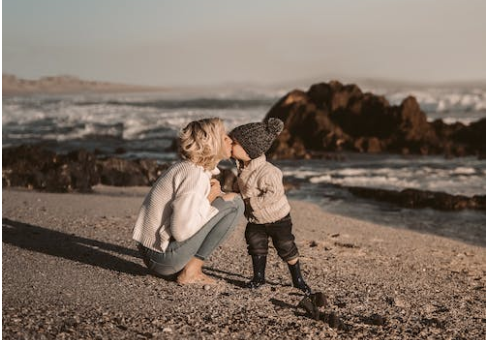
[[261, 187]]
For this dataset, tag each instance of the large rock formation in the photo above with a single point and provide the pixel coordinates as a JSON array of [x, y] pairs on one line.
[[334, 117]]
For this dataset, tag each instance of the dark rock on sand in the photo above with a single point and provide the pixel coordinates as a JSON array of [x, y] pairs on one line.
[[37, 168], [34, 167], [310, 307], [319, 299], [122, 172], [334, 321], [375, 319], [413, 198]]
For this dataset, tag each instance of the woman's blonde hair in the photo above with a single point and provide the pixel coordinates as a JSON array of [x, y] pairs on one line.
[[201, 142]]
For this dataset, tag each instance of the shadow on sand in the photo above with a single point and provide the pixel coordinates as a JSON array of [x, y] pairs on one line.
[[225, 275], [70, 247]]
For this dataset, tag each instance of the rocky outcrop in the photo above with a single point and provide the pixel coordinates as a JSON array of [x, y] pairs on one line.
[[335, 117], [37, 168], [413, 198], [473, 138], [34, 167], [122, 172]]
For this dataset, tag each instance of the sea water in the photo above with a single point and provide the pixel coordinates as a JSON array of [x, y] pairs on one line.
[[145, 126]]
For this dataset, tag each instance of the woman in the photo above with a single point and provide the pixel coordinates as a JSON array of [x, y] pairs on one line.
[[185, 216]]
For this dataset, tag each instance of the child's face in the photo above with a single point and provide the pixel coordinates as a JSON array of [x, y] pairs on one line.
[[239, 153]]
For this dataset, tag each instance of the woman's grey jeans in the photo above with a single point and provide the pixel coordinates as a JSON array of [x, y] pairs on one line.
[[200, 245]]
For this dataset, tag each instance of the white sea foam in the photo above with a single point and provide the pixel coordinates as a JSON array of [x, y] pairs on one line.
[[84, 113], [463, 171], [351, 172], [427, 173], [321, 179], [301, 174], [450, 104]]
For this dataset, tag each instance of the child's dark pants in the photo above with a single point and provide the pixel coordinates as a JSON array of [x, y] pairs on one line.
[[281, 233]]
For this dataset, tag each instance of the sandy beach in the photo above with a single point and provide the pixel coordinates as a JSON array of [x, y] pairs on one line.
[[71, 271]]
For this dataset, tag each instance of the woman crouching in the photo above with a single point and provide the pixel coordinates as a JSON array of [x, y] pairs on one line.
[[185, 216]]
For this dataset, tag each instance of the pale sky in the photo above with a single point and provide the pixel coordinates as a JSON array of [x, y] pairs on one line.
[[211, 42]]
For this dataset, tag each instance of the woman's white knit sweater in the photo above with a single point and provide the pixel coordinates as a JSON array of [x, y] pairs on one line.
[[261, 186], [176, 207]]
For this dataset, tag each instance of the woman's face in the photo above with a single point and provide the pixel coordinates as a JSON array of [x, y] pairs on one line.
[[227, 144]]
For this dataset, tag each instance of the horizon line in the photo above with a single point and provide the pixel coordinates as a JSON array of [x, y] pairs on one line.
[[297, 81]]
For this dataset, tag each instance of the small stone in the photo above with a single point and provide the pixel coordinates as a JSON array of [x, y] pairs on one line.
[[310, 307], [207, 287], [334, 320], [376, 320], [401, 303], [319, 299], [340, 304]]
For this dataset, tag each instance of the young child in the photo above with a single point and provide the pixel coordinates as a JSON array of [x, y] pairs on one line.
[[266, 206]]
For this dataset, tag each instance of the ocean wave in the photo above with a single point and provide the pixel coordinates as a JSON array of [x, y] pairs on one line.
[[80, 121], [198, 103], [432, 173], [463, 171], [441, 100], [131, 117]]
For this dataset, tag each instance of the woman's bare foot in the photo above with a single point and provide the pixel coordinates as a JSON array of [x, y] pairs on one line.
[[192, 273], [202, 278]]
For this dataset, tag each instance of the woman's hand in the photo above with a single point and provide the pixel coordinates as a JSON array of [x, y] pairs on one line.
[[215, 190]]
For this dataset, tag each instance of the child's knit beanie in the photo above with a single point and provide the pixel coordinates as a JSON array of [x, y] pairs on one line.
[[256, 138]]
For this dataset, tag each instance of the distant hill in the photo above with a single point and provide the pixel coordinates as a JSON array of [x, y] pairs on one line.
[[11, 85]]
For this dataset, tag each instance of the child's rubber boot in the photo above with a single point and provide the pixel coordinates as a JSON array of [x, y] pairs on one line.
[[297, 279], [259, 264]]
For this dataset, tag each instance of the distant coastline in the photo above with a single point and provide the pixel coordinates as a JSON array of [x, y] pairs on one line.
[[68, 84], [12, 85]]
